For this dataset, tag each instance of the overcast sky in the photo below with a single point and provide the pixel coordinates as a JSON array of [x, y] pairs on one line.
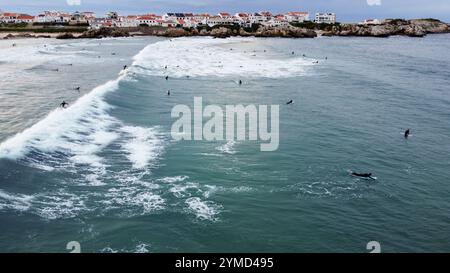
[[347, 10]]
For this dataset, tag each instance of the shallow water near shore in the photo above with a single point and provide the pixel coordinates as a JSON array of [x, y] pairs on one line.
[[106, 173]]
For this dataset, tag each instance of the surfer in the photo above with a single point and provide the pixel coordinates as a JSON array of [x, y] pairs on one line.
[[78, 89], [14, 45], [125, 67], [293, 53], [240, 82], [290, 102], [407, 132], [64, 104], [364, 175], [168, 92], [165, 67], [167, 78]]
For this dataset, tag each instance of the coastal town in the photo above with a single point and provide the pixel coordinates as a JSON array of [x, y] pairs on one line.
[[187, 20], [294, 24]]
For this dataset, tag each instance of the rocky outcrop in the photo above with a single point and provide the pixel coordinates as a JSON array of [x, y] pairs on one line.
[[65, 36], [411, 28], [105, 32], [285, 32]]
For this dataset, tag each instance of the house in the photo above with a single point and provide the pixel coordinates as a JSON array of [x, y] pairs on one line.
[[277, 21], [25, 18], [242, 19], [297, 16], [8, 17], [267, 15], [256, 18], [225, 15], [201, 17], [189, 22], [370, 22], [325, 18], [167, 23], [53, 17], [173, 16], [149, 20], [216, 20]]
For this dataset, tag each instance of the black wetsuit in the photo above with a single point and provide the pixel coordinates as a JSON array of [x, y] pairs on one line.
[[366, 175], [407, 133], [290, 102], [64, 104]]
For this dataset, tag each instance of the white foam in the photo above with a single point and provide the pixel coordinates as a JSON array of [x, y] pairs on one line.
[[142, 145], [227, 148], [203, 210], [212, 189], [19, 202], [204, 56], [173, 179], [181, 191], [132, 201]]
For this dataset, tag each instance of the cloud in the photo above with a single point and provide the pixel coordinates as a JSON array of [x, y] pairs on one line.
[[73, 2], [374, 2]]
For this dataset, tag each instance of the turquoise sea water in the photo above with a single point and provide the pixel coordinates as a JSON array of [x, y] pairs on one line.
[[105, 172]]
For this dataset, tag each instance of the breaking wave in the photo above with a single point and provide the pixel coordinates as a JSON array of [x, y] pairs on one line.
[[202, 57]]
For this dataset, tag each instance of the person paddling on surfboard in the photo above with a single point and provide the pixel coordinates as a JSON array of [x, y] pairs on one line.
[[364, 175], [64, 104], [290, 102], [407, 132]]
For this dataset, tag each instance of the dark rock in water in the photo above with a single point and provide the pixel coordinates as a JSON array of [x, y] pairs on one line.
[[105, 32], [65, 36]]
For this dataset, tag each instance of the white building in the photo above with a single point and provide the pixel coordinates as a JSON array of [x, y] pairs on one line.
[[201, 17], [257, 18], [276, 22], [327, 18], [370, 22], [53, 17], [217, 20], [297, 16], [149, 20], [15, 18], [242, 19], [225, 15]]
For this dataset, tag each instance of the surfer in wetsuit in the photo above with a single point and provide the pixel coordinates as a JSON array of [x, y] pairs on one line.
[[125, 67], [168, 92], [78, 89], [407, 132], [240, 82], [167, 78], [64, 104], [365, 175], [290, 102]]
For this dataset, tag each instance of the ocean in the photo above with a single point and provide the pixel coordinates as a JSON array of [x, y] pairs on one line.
[[107, 173]]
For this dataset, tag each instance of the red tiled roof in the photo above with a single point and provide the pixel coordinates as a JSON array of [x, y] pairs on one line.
[[25, 17]]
